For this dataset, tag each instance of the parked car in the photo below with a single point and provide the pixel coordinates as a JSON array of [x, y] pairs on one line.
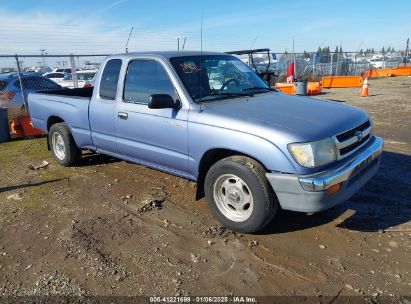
[[378, 62], [62, 70], [251, 149], [40, 70], [57, 77], [84, 78], [11, 95]]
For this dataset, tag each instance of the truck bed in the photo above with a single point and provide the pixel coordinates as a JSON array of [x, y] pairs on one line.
[[79, 92], [68, 105]]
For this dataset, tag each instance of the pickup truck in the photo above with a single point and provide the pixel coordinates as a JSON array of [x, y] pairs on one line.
[[251, 149]]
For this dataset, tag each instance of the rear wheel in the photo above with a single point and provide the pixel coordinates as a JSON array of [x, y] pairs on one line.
[[239, 195], [63, 146]]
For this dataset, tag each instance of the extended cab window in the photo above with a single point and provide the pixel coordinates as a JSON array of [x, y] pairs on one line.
[[109, 79], [145, 78]]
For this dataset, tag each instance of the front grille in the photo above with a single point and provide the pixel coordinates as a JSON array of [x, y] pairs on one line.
[[350, 133], [344, 151], [352, 139]]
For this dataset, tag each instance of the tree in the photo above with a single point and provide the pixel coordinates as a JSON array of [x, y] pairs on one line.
[[383, 51], [335, 54]]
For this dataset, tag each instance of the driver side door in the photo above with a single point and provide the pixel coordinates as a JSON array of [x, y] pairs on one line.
[[154, 137]]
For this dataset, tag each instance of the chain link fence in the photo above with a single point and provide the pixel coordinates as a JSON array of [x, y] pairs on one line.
[[22, 74], [312, 66]]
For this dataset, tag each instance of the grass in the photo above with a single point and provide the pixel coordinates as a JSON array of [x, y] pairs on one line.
[[15, 158]]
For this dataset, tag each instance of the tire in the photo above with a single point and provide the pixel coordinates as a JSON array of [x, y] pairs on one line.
[[239, 195], [63, 146]]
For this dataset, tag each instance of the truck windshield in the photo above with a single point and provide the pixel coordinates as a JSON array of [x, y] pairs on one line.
[[214, 77]]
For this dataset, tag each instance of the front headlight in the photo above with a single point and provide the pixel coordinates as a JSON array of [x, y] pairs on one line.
[[314, 154]]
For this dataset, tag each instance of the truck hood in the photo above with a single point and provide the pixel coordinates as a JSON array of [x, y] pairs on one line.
[[306, 118]]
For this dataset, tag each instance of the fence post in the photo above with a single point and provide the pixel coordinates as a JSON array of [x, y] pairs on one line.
[[73, 71], [313, 59], [21, 84], [331, 64], [355, 64]]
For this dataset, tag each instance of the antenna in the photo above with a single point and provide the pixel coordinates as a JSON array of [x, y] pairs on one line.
[[128, 40], [201, 34], [252, 44], [201, 56]]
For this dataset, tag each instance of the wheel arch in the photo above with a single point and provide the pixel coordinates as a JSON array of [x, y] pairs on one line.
[[209, 158], [52, 120]]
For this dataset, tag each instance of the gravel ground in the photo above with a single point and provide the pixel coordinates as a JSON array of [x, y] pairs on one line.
[[108, 227]]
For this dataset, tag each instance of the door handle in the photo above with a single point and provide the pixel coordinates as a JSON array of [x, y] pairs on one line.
[[122, 115]]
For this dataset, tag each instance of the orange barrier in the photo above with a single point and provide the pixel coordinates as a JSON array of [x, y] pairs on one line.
[[378, 73], [287, 88], [401, 71], [22, 127], [341, 81], [313, 88]]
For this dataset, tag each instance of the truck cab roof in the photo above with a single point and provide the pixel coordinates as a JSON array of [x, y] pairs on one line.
[[166, 54]]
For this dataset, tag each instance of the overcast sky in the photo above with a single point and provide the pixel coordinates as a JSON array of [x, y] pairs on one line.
[[103, 26]]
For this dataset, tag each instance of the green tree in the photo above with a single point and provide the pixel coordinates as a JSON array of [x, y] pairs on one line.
[[335, 54]]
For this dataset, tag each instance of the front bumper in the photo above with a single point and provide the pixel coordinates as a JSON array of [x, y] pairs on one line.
[[308, 193]]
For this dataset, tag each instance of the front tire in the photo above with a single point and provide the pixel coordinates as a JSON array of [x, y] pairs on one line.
[[239, 195], [63, 146]]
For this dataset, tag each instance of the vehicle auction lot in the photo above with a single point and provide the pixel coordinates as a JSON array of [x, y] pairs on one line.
[[109, 227]]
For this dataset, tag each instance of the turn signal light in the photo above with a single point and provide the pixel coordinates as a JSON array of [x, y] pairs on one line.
[[333, 189]]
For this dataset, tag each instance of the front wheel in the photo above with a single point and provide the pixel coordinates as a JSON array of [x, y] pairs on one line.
[[239, 195], [63, 146]]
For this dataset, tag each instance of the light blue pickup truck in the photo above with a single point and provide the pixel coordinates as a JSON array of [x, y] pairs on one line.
[[250, 149]]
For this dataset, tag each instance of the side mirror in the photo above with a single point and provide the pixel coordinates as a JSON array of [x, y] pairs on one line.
[[163, 101]]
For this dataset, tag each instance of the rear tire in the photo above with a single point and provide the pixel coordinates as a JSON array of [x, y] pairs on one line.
[[63, 146], [239, 195]]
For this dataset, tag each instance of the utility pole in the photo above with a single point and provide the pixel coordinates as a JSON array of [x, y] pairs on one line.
[[406, 51]]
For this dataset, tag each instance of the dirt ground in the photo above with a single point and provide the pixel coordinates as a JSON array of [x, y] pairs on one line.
[[109, 227]]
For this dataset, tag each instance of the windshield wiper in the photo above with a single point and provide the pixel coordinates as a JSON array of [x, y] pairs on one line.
[[229, 94], [222, 94], [258, 88]]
